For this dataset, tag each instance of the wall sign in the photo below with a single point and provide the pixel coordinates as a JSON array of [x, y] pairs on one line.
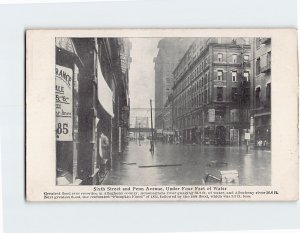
[[64, 103]]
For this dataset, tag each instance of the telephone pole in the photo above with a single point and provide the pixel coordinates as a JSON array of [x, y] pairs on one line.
[[152, 134], [139, 133]]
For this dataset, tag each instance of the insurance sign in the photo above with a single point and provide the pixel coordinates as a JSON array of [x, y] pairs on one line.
[[64, 103]]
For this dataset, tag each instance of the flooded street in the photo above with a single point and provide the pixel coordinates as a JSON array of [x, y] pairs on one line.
[[187, 164]]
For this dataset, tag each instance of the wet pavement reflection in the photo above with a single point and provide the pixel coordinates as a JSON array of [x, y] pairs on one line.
[[187, 164]]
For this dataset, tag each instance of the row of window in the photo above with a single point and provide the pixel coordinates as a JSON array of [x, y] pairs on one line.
[[194, 52], [234, 58], [192, 75], [197, 85], [182, 105], [194, 96], [220, 77], [235, 95], [233, 76], [194, 120], [197, 100], [258, 62]]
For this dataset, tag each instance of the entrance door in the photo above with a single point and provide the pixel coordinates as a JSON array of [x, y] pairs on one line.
[[220, 135], [234, 136]]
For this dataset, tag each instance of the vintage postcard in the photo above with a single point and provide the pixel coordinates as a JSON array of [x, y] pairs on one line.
[[162, 115]]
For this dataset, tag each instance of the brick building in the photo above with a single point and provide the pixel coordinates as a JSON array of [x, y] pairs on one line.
[[211, 92], [262, 91]]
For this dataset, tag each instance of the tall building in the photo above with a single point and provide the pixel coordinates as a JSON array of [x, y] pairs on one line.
[[170, 52], [92, 104], [262, 91], [211, 93]]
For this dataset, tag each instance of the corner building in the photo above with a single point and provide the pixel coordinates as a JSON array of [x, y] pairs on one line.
[[98, 103], [262, 92], [211, 92]]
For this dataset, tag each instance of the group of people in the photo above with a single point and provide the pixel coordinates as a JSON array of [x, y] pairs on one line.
[[262, 143]]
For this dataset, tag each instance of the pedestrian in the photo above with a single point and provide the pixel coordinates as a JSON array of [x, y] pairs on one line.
[[104, 153]]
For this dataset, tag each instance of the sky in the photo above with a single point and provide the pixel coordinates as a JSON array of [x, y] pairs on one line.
[[142, 76]]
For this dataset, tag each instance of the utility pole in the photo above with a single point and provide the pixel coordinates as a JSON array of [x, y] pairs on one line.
[[152, 134], [135, 133], [139, 133]]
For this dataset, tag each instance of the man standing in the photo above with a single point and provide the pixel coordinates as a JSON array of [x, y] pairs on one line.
[[104, 152]]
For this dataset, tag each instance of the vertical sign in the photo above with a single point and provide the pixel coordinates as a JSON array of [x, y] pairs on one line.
[[64, 103]]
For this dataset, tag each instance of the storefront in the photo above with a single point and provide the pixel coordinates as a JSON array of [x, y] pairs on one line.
[[67, 70], [263, 131]]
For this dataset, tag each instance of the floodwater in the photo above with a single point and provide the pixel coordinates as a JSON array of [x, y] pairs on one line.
[[187, 164]]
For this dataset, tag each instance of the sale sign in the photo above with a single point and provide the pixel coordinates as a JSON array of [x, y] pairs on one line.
[[64, 103]]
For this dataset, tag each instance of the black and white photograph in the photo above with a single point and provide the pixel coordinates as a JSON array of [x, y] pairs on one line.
[[169, 111]]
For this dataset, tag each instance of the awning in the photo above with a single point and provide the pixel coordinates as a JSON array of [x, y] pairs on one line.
[[105, 95]]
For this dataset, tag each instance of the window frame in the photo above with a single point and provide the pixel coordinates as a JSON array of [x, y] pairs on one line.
[[220, 59], [232, 76], [220, 94], [247, 79], [220, 71], [234, 60]]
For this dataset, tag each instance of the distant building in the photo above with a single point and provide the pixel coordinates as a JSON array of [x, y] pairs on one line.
[[262, 91], [170, 52], [167, 112], [211, 93]]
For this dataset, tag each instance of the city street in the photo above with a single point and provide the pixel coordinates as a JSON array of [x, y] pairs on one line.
[[187, 164], [197, 98]]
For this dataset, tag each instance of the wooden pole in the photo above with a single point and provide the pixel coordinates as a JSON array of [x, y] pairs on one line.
[[139, 133], [152, 134]]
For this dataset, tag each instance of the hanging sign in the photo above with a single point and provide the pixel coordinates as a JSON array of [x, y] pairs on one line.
[[64, 103], [247, 136]]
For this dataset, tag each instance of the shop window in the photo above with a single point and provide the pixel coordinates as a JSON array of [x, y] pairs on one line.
[[220, 75], [219, 93], [234, 76]]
